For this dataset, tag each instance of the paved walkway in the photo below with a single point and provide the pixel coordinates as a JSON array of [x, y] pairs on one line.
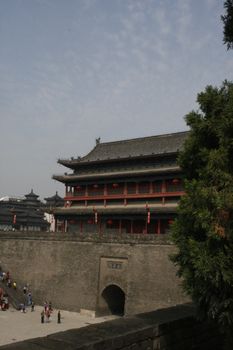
[[16, 326]]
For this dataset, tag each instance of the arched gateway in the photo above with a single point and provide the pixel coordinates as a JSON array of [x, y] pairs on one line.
[[114, 299]]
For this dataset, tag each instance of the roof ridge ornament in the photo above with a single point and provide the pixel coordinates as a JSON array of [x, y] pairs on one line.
[[97, 141]]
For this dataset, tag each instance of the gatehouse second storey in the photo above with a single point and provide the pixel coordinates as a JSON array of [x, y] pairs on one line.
[[128, 186]]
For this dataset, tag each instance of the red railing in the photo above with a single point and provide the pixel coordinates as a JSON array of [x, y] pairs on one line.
[[126, 196]]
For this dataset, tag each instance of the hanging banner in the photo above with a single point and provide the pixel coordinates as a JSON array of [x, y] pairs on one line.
[[96, 217], [148, 216], [148, 213]]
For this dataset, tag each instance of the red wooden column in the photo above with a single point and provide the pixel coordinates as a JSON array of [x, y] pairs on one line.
[[105, 194], [65, 225], [164, 190], [137, 187], [125, 191], [146, 227], [86, 195], [120, 223], [159, 226], [81, 226], [86, 191], [151, 187], [131, 226]]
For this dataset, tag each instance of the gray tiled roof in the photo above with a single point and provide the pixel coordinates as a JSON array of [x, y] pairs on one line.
[[54, 197], [144, 146], [133, 148], [31, 195]]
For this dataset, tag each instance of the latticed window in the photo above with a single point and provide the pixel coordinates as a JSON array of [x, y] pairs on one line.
[[112, 224], [144, 187], [115, 188], [157, 186], [139, 226], [164, 226], [96, 190], [174, 185], [131, 188], [79, 191], [126, 226]]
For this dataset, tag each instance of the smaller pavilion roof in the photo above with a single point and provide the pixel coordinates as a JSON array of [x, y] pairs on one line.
[[31, 195], [55, 197]]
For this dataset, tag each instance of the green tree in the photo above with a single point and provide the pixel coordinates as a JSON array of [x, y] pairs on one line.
[[228, 24], [203, 230]]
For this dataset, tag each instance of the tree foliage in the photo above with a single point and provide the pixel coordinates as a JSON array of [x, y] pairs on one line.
[[228, 24], [203, 230]]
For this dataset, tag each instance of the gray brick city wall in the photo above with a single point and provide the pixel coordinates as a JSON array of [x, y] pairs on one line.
[[173, 328], [72, 272]]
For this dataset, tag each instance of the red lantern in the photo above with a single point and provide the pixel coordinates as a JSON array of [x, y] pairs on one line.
[[14, 219], [115, 185], [96, 186], [175, 181], [109, 222], [148, 213], [90, 221], [170, 221]]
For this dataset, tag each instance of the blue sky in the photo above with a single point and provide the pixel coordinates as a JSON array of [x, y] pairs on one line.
[[75, 70]]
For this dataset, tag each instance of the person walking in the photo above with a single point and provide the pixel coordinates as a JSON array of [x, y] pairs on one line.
[[29, 298], [9, 283], [46, 306], [42, 316], [59, 317], [32, 306], [50, 306], [47, 315], [24, 309]]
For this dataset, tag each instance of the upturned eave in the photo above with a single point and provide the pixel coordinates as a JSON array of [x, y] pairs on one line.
[[69, 178]]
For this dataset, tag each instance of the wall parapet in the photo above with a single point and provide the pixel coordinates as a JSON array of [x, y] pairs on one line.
[[88, 237], [174, 328]]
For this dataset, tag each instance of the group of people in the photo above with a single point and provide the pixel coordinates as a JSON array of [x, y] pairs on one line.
[[28, 297], [28, 301], [4, 301], [47, 311], [5, 277]]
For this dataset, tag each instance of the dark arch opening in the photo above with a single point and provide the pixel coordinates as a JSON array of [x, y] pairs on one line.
[[115, 299]]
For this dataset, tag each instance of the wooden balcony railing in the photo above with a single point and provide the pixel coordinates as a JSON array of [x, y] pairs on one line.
[[70, 197]]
